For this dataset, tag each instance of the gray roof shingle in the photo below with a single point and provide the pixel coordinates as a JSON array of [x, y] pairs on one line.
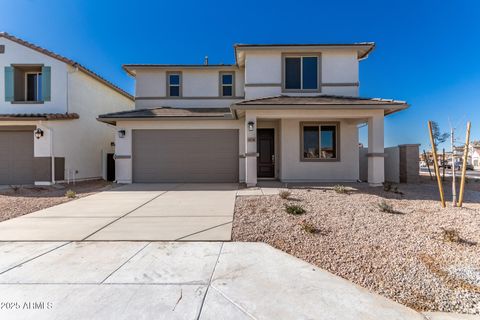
[[168, 113], [319, 100], [39, 116]]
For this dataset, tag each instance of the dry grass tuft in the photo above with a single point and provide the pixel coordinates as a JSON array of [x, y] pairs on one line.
[[284, 194]]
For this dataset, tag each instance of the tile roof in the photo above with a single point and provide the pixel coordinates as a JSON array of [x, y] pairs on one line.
[[322, 102], [130, 68], [39, 116], [369, 45], [355, 44], [319, 100], [67, 61], [168, 113]]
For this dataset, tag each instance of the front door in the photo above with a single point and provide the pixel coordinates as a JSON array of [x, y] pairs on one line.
[[266, 151]]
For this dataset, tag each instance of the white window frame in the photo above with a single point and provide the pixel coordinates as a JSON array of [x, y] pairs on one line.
[[37, 98], [301, 56], [179, 85], [227, 85]]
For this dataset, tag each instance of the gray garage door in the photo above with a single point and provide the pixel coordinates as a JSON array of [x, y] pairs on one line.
[[16, 157], [185, 155]]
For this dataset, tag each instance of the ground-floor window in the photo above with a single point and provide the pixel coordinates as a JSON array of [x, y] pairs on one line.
[[319, 141]]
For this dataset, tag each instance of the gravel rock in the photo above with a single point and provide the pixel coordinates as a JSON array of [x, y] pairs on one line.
[[402, 255], [17, 202]]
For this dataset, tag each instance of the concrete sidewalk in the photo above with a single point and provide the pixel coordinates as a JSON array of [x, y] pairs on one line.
[[144, 212], [142, 280]]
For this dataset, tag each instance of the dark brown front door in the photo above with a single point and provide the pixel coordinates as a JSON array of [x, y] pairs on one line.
[[266, 151], [110, 167]]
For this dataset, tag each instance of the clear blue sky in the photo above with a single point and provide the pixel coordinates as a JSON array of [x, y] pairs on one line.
[[428, 52]]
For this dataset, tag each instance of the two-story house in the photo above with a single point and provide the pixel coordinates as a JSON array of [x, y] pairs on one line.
[[48, 110], [474, 155], [289, 112]]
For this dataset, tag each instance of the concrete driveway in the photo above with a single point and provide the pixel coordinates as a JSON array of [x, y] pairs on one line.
[[191, 281], [149, 212]]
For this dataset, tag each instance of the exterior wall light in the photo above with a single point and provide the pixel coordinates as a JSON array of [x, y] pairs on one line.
[[121, 133], [38, 133], [251, 125]]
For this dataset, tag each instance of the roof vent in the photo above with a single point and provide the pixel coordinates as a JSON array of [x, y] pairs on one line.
[[205, 61]]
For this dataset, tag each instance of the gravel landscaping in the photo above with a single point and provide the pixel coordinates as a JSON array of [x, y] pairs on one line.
[[17, 201], [401, 245]]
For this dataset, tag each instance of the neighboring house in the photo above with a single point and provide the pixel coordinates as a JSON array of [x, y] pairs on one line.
[[286, 112], [48, 110], [474, 155]]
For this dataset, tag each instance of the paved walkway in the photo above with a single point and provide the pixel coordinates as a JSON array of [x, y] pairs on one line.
[[162, 280], [145, 212]]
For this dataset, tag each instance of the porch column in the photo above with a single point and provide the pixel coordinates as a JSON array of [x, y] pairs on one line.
[[250, 149], [376, 171]]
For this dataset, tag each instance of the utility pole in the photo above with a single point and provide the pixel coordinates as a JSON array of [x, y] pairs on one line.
[[443, 165], [454, 188]]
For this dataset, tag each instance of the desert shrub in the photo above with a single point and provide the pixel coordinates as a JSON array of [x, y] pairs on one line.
[[284, 194], [395, 190], [15, 188], [310, 228], [294, 209], [340, 189], [70, 194], [385, 207], [451, 235], [387, 186]]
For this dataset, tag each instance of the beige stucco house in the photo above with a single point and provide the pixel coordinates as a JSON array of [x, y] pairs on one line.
[[48, 110], [285, 112], [474, 155]]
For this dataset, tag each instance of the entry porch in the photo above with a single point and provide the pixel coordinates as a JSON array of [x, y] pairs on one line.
[[311, 145]]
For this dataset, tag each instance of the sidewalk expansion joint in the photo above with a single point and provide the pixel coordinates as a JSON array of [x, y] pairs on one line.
[[209, 282]]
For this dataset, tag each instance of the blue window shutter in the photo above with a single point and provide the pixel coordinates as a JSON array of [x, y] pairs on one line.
[[46, 81], [9, 84]]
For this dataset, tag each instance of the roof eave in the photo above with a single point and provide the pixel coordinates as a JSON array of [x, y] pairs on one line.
[[132, 68], [366, 54], [34, 118], [66, 61], [128, 71], [114, 120], [389, 108], [369, 47]]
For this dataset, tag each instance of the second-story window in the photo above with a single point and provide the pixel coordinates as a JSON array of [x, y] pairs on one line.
[[174, 84], [27, 83], [227, 84], [301, 73], [33, 86]]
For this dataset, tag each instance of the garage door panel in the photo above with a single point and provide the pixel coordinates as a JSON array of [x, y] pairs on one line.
[[16, 157], [185, 155]]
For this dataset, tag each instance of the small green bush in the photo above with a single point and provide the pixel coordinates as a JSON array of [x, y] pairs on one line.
[[70, 194], [294, 209], [385, 207], [340, 189]]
